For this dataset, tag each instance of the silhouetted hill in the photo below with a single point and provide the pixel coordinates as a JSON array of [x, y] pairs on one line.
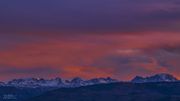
[[8, 93], [164, 91]]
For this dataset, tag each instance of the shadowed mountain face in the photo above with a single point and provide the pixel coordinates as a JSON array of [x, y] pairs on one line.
[[163, 77], [116, 92]]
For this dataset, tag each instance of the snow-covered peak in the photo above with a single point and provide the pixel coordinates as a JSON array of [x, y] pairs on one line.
[[57, 82], [162, 77], [35, 82], [77, 80], [102, 80]]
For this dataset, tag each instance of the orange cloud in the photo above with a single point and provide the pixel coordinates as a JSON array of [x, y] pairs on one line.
[[75, 56]]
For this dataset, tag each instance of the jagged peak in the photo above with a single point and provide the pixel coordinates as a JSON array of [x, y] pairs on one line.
[[77, 79], [161, 77], [57, 82]]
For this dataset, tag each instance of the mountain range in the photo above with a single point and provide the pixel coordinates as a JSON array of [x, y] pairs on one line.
[[139, 88], [57, 82], [162, 77], [78, 82]]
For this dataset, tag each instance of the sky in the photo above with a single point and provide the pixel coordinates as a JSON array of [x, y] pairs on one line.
[[89, 38]]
